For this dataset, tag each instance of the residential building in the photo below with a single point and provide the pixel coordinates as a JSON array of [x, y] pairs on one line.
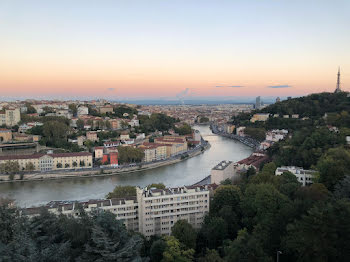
[[159, 209], [124, 136], [82, 110], [240, 131], [154, 151], [92, 136], [51, 161], [81, 140], [222, 171], [98, 152], [105, 109], [305, 177], [260, 117], [125, 209], [5, 135], [175, 144], [276, 135], [110, 159], [10, 117]]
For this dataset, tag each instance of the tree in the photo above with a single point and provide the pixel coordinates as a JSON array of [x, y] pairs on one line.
[[75, 164], [245, 247], [73, 108], [157, 249], [266, 212], [82, 163], [185, 129], [204, 119], [122, 191], [59, 165], [334, 166], [66, 165], [212, 234], [288, 184], [127, 154], [342, 188], [226, 195], [175, 252], [29, 166], [256, 133], [321, 235], [185, 233], [80, 124], [156, 185], [211, 255]]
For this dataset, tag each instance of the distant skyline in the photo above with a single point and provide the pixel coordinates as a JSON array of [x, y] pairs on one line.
[[191, 50]]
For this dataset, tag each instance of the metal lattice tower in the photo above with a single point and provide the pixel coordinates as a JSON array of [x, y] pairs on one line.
[[338, 90]]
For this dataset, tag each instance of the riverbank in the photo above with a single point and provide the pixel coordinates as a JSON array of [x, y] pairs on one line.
[[248, 141], [101, 172]]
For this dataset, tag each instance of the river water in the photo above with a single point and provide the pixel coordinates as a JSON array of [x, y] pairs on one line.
[[187, 172]]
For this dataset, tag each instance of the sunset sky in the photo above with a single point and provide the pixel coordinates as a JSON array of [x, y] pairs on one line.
[[168, 49]]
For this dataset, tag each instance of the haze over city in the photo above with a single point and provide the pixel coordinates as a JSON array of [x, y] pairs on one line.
[[172, 49]]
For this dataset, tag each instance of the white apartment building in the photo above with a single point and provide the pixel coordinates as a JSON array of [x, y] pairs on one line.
[[82, 110], [276, 135], [159, 209], [304, 176], [151, 212], [125, 209], [227, 170]]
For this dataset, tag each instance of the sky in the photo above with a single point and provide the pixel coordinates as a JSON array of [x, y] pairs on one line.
[[172, 49]]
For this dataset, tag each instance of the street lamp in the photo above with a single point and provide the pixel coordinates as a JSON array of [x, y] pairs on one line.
[[278, 255]]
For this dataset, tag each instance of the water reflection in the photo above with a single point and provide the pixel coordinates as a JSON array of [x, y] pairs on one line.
[[183, 173]]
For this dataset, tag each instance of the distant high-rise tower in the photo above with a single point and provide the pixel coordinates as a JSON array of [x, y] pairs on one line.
[[338, 90], [257, 103]]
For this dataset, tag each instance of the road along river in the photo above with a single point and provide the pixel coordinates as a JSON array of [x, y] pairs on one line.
[[187, 172]]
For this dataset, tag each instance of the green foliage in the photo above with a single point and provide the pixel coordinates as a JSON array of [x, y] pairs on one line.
[[73, 108], [157, 249], [342, 188], [9, 167], [203, 119], [185, 233], [80, 124], [321, 235], [175, 251], [128, 154], [122, 191], [211, 255], [120, 110], [158, 121], [256, 133], [156, 185], [334, 166], [246, 247], [212, 234], [47, 237], [185, 129]]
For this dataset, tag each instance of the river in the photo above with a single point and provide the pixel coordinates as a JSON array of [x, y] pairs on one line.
[[187, 172]]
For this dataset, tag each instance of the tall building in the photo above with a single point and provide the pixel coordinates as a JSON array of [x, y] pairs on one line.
[[10, 117], [337, 89], [152, 212], [159, 209], [258, 102]]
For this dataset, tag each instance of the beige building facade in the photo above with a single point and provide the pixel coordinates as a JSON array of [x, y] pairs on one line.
[[159, 209], [47, 162], [10, 117]]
